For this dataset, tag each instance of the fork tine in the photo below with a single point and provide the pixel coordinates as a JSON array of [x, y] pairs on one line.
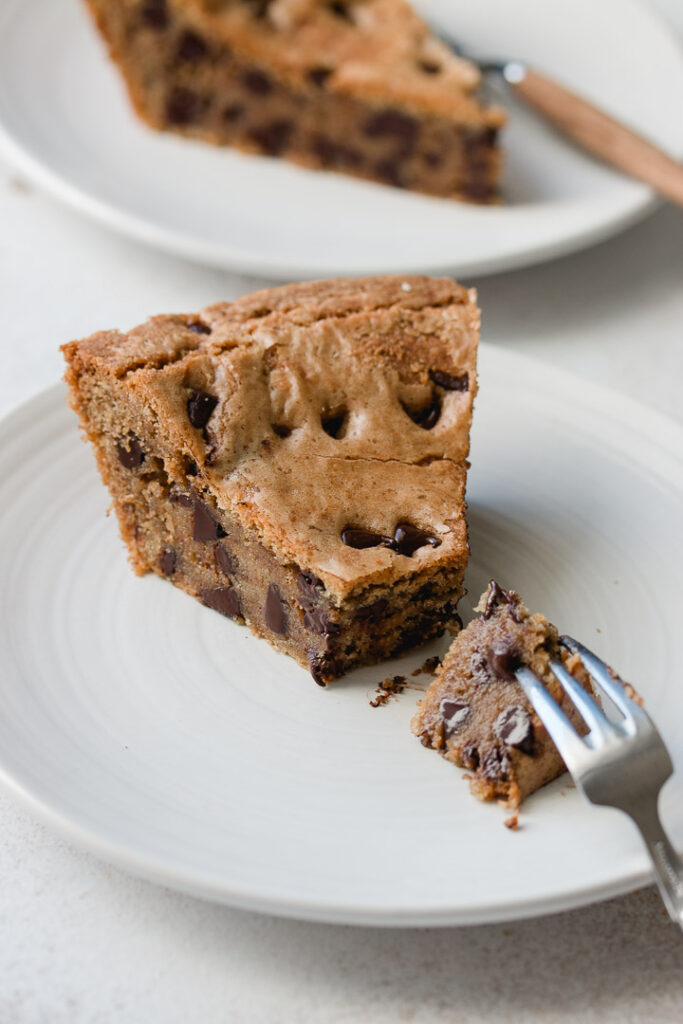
[[613, 687], [562, 732], [589, 709]]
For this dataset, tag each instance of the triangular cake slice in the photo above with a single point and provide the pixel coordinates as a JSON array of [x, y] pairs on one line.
[[476, 714], [296, 459], [359, 86]]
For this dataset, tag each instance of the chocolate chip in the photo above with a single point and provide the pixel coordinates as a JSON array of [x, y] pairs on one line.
[[479, 667], [335, 154], [427, 416], [257, 82], [168, 561], [333, 423], [513, 727], [408, 539], [316, 665], [355, 537], [449, 382], [198, 327], [318, 76], [390, 171], [154, 14], [274, 612], [430, 67], [183, 106], [432, 159], [179, 498], [318, 621], [495, 764], [233, 112], [221, 599], [205, 528], [310, 588], [373, 612], [454, 714], [132, 456], [393, 124], [191, 48], [281, 430], [496, 596], [200, 405], [503, 660], [341, 10], [470, 757], [272, 137], [224, 560]]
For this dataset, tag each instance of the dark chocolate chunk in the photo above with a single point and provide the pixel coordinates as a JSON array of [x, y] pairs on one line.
[[179, 498], [503, 660], [233, 112], [130, 452], [427, 416], [393, 124], [496, 596], [316, 665], [333, 423], [154, 14], [224, 560], [183, 106], [513, 727], [191, 48], [198, 327], [373, 612], [275, 612], [449, 382], [257, 82], [470, 757], [495, 764], [318, 621], [221, 599], [168, 561], [272, 137], [205, 528], [354, 537], [318, 76], [200, 405], [454, 714], [408, 538], [310, 588]]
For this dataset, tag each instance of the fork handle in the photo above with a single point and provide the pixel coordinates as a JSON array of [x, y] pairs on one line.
[[597, 132], [668, 866]]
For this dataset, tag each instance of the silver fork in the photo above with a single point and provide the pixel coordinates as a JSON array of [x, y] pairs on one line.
[[621, 764]]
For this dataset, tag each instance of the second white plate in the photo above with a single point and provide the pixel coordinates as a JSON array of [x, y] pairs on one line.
[[65, 118], [177, 745]]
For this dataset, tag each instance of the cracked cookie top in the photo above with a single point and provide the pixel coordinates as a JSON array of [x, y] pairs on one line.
[[375, 49], [333, 418]]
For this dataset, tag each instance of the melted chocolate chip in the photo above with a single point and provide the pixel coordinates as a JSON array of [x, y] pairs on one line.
[[318, 76], [275, 611], [221, 599], [454, 714], [310, 588], [408, 538], [205, 528], [513, 727], [257, 82], [495, 764], [316, 665], [272, 137], [393, 124], [183, 106], [168, 561], [224, 560], [191, 48], [318, 621], [132, 456], [503, 660], [354, 537], [449, 382], [154, 14], [179, 498], [200, 405], [373, 612], [426, 416], [498, 595], [198, 327], [470, 757]]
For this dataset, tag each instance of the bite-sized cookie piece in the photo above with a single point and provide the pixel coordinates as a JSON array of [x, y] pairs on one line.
[[359, 86], [296, 459], [476, 714]]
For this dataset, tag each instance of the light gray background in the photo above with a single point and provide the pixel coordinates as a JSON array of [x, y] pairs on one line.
[[81, 942]]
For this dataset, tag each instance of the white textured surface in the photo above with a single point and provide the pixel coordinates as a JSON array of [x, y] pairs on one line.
[[81, 942]]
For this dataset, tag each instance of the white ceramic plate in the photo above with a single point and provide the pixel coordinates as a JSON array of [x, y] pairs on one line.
[[64, 117], [180, 747]]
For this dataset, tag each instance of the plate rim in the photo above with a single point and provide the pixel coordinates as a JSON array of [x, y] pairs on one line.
[[655, 427], [223, 256]]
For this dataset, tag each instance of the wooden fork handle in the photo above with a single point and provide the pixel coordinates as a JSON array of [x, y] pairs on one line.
[[597, 132]]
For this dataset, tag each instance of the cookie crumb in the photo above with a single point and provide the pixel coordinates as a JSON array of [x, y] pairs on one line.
[[388, 688], [512, 822], [431, 665]]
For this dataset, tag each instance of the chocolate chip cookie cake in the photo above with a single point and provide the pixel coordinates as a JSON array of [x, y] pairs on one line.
[[359, 86], [296, 459], [476, 714]]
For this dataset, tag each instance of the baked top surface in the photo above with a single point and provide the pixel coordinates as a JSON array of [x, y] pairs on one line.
[[378, 49], [285, 364]]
